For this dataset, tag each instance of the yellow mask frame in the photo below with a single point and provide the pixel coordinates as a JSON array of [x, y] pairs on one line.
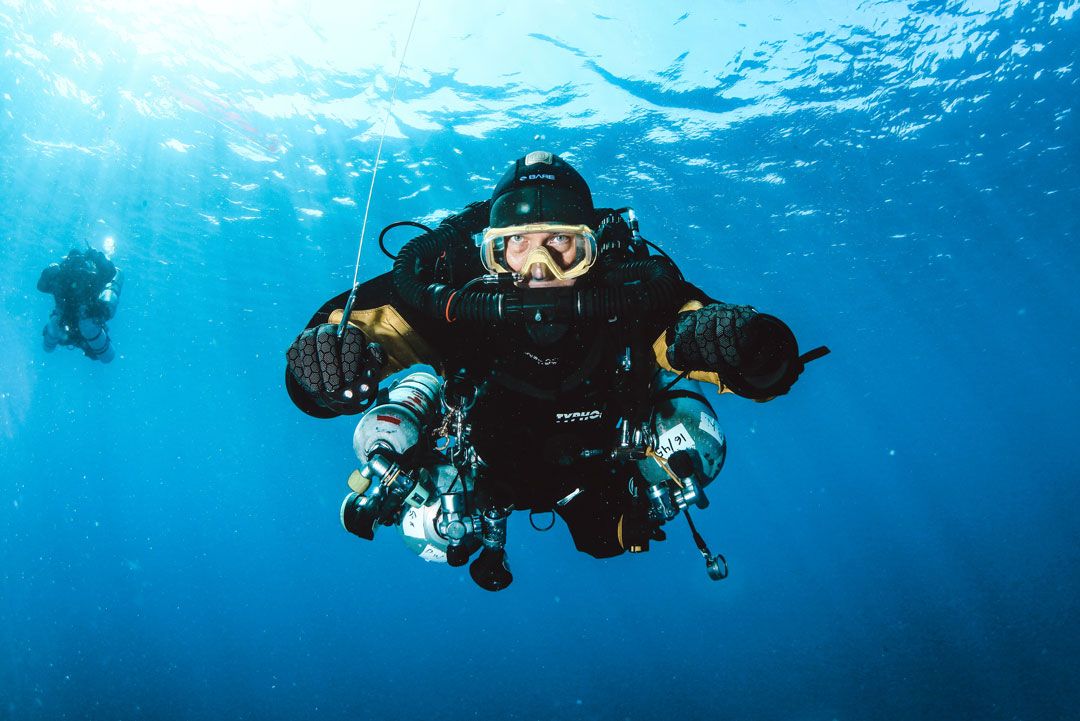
[[493, 247]]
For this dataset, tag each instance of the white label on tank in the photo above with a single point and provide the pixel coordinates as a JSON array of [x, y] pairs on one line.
[[710, 426], [674, 439], [412, 524], [430, 553]]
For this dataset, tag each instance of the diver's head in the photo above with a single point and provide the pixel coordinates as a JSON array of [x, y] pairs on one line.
[[540, 223]]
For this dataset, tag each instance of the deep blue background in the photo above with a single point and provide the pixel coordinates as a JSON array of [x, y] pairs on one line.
[[901, 528]]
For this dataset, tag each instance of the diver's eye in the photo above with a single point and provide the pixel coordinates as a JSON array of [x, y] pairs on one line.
[[561, 239], [515, 239]]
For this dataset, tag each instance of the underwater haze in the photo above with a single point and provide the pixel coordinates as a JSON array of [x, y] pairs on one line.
[[899, 180]]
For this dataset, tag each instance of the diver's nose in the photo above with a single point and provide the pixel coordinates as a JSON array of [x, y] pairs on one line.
[[539, 272]]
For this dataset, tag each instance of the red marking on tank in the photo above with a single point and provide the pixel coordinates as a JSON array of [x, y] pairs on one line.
[[389, 419]]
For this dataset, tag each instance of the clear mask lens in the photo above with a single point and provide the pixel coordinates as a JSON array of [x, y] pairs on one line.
[[568, 251]]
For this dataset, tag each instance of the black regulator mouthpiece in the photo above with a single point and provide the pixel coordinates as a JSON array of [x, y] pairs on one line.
[[457, 556], [491, 570], [359, 516]]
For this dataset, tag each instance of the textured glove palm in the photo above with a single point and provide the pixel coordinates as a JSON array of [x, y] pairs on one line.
[[710, 338], [339, 372], [755, 355]]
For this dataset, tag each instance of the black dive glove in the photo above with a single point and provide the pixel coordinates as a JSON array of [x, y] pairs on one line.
[[755, 355], [340, 373]]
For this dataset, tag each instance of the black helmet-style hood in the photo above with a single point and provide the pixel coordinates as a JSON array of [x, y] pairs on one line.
[[541, 188]]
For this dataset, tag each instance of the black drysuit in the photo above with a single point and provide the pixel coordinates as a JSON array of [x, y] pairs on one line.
[[546, 415]]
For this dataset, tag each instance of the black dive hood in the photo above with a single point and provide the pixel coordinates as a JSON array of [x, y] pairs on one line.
[[539, 188]]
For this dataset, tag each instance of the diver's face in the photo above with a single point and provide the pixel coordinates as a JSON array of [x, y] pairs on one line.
[[561, 247]]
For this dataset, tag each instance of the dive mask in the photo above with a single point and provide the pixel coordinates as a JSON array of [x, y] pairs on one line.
[[558, 264]]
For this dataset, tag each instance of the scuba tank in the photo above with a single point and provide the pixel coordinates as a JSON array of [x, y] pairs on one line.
[[110, 296], [444, 528], [385, 437], [396, 426], [430, 502], [688, 452]]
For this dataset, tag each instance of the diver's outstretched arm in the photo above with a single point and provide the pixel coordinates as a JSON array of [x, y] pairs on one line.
[[47, 281], [328, 375], [331, 373], [755, 355]]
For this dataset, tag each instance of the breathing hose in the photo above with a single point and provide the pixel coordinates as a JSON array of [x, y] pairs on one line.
[[641, 286]]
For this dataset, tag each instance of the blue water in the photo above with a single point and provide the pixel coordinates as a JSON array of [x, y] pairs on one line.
[[898, 180]]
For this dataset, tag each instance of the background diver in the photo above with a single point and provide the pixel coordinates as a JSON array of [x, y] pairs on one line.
[[86, 287], [564, 351]]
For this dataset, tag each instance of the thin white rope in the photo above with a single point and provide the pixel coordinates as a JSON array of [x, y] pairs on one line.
[[382, 137]]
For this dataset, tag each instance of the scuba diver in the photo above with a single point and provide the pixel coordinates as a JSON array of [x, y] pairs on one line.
[[86, 287], [567, 357]]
